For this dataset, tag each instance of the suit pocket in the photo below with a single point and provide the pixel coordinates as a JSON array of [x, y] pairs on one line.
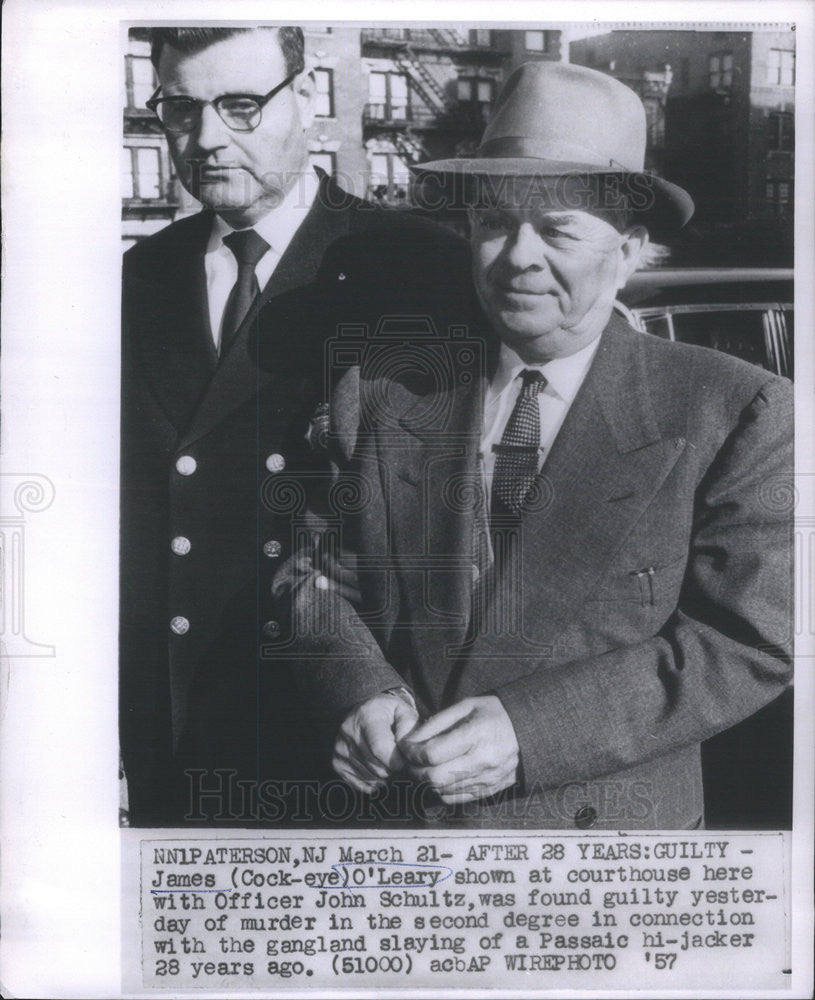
[[647, 585]]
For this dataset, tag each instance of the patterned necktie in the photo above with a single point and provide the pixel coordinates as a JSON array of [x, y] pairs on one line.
[[516, 457], [248, 247]]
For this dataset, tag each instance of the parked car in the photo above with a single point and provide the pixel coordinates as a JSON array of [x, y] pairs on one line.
[[743, 311], [747, 312]]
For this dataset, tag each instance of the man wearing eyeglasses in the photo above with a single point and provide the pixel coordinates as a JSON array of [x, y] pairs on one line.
[[203, 432]]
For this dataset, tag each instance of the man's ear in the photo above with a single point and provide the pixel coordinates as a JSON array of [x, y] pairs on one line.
[[632, 246], [305, 89]]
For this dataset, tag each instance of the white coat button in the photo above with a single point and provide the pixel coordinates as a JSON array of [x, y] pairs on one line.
[[185, 465], [271, 629], [272, 549], [180, 625], [275, 463], [180, 545]]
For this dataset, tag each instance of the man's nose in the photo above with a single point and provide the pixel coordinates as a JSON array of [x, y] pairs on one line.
[[212, 132], [525, 248]]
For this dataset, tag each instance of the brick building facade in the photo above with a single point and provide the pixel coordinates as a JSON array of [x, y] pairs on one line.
[[386, 97], [723, 127]]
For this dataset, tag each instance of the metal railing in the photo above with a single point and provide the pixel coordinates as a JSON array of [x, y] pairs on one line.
[[385, 114], [428, 38]]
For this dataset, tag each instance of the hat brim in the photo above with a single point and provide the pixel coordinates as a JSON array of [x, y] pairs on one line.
[[661, 206]]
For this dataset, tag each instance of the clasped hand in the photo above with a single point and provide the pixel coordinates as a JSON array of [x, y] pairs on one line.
[[465, 752]]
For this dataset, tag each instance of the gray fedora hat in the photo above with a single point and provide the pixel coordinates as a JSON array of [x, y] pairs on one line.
[[555, 120]]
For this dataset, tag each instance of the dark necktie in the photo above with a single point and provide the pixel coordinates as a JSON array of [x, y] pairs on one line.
[[248, 248], [496, 541], [516, 457]]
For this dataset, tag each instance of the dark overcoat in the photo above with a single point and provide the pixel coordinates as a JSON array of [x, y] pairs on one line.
[[203, 517]]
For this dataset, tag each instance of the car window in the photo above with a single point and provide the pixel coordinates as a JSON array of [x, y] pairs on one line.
[[740, 333], [761, 336]]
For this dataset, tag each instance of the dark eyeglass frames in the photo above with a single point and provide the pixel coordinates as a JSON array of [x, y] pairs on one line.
[[240, 112]]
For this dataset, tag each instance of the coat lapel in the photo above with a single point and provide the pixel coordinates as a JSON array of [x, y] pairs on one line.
[[434, 486], [237, 378], [605, 466], [174, 346]]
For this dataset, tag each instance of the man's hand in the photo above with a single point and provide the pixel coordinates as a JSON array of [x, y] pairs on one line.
[[466, 752], [365, 750]]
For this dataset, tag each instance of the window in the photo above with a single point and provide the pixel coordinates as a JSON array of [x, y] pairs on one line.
[[140, 80], [720, 70], [779, 195], [389, 96], [781, 68], [390, 176], [475, 89], [324, 96], [536, 41], [326, 161], [128, 185], [481, 37], [141, 171], [780, 132]]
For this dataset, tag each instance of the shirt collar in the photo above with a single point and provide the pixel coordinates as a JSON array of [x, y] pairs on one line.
[[564, 376], [279, 225]]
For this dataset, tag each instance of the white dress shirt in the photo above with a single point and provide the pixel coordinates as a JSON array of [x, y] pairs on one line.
[[564, 376], [277, 228]]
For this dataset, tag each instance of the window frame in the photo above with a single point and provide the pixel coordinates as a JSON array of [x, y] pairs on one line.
[[778, 69], [544, 46], [137, 196], [474, 82], [130, 83], [389, 74], [329, 75], [720, 71]]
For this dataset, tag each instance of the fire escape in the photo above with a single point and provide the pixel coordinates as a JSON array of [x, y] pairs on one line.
[[436, 110]]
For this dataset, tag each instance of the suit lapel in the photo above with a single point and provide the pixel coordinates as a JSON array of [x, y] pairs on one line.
[[605, 466], [430, 458], [237, 378], [168, 307]]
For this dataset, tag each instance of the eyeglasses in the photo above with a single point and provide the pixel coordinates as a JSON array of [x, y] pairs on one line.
[[239, 112]]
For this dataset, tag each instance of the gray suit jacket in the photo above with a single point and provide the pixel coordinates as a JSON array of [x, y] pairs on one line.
[[649, 602]]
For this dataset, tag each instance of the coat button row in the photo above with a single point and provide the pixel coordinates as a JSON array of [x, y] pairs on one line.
[[185, 465], [180, 625], [180, 545]]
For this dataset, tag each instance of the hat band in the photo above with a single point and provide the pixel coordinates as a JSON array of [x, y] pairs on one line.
[[519, 145]]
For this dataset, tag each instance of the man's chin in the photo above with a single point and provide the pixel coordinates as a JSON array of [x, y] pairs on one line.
[[229, 203], [527, 323]]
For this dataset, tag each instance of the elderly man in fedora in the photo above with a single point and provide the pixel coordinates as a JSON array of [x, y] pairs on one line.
[[567, 566]]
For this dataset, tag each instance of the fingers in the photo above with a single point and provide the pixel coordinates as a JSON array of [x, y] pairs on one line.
[[444, 737], [351, 768], [466, 752], [470, 771], [378, 745], [405, 721], [365, 751]]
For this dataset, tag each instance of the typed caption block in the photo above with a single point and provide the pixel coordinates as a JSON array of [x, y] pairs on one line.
[[672, 911]]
